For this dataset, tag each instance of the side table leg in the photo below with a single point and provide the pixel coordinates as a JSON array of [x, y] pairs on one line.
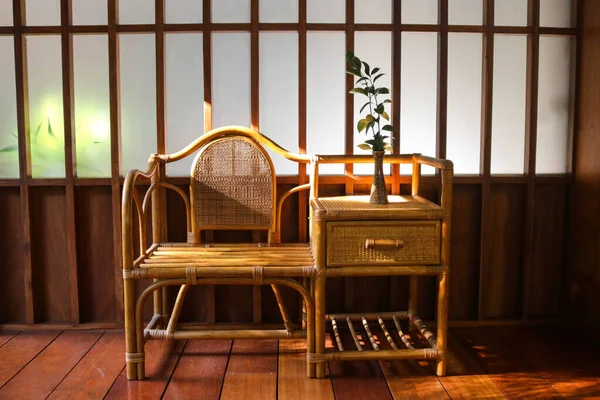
[[320, 321], [442, 322]]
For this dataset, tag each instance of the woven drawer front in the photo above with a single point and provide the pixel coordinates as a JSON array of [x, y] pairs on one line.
[[416, 242]]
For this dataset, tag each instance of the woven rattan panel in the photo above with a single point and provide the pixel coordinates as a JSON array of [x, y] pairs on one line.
[[233, 185], [346, 243]]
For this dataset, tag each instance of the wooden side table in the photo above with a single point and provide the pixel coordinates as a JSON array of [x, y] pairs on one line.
[[409, 236]]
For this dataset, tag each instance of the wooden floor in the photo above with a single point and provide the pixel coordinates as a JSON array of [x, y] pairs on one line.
[[485, 363]]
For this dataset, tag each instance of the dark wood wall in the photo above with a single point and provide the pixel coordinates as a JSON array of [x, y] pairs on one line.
[[584, 269], [499, 295]]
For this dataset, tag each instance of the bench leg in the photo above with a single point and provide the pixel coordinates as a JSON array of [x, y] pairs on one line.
[[130, 342], [442, 322]]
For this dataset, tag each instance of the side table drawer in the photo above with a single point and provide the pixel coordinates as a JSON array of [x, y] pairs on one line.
[[383, 242]]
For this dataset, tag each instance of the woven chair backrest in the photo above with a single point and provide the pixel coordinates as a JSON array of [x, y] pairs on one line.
[[233, 185]]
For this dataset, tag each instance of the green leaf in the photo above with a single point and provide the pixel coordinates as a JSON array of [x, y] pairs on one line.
[[37, 131], [349, 56], [377, 77], [389, 148], [359, 90], [367, 68], [370, 141], [379, 109], [375, 70], [354, 72], [9, 149], [387, 101], [356, 63], [14, 134], [385, 115], [364, 106], [371, 124], [361, 125], [50, 131], [364, 78], [382, 91], [388, 128], [364, 146], [370, 118]]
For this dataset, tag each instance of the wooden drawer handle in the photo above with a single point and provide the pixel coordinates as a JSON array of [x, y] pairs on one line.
[[384, 244]]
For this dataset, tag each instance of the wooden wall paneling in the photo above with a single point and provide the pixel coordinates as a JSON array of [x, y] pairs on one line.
[[12, 295], [95, 254], [70, 163], [502, 287], [207, 68], [115, 150], [549, 251], [50, 264], [464, 252], [487, 87], [22, 99], [533, 63]]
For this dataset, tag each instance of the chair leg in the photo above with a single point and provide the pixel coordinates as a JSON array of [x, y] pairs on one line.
[[130, 332], [310, 338], [320, 323], [442, 323], [282, 309]]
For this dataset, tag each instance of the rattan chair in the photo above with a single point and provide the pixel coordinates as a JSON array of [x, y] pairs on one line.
[[232, 187]]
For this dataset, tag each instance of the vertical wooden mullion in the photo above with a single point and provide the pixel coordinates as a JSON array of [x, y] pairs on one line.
[[396, 99], [207, 60], [70, 170], [302, 178], [22, 100], [533, 61], [349, 141], [442, 93], [115, 149], [255, 124], [486, 145]]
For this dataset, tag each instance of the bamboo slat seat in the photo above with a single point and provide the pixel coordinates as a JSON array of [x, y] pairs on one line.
[[232, 187]]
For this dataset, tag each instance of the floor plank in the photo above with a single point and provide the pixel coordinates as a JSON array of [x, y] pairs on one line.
[[6, 336], [553, 361], [39, 378], [291, 376], [252, 370], [96, 372], [465, 379], [161, 359], [410, 379], [508, 370], [200, 371], [15, 354], [357, 379]]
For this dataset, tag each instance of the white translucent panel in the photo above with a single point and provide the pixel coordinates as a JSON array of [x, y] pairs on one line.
[[92, 108], [9, 155], [419, 11], [510, 12], [138, 100], [508, 111], [279, 94], [419, 95], [42, 12], [230, 10], [325, 95], [6, 14], [465, 12], [330, 11], [555, 13], [183, 11], [278, 10], [136, 12], [464, 101], [231, 79], [46, 120], [374, 48], [553, 105], [373, 11], [90, 12], [184, 71]]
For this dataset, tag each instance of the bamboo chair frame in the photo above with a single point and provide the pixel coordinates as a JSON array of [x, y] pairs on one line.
[[185, 264]]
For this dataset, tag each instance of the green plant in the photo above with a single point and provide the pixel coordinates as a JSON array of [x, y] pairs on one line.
[[367, 77]]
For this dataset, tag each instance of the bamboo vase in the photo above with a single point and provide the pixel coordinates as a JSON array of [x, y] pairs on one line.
[[378, 189]]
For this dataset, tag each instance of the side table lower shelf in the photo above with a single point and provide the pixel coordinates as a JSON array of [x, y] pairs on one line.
[[367, 347]]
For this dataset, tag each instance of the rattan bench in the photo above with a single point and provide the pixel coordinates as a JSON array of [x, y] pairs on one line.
[[232, 187]]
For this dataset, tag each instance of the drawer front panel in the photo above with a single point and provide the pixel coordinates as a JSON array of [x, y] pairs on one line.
[[383, 242]]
